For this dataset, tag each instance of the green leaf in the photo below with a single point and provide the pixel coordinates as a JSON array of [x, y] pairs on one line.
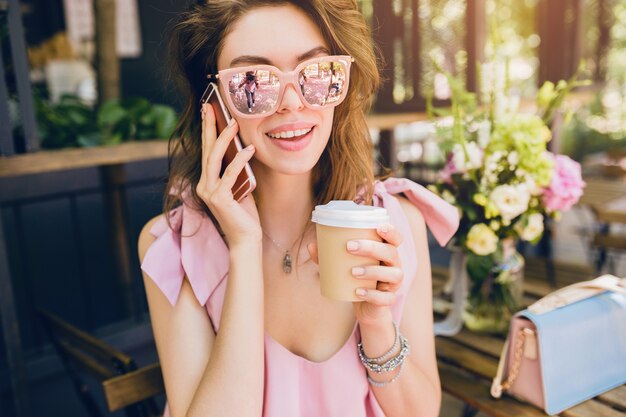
[[479, 267], [136, 107], [77, 115], [110, 114], [89, 140], [112, 139], [166, 120], [148, 119]]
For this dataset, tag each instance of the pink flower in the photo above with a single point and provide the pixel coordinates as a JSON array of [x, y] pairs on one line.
[[566, 185], [462, 160], [445, 175]]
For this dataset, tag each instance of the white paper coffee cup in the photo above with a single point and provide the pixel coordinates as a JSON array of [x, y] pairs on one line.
[[338, 222]]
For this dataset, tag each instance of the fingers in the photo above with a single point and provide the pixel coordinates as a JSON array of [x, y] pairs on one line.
[[209, 134], [213, 151], [383, 274], [383, 252], [214, 160], [312, 248], [389, 275], [235, 167], [376, 297], [390, 234]]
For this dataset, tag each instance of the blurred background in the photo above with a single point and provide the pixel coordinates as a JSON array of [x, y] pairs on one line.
[[86, 108]]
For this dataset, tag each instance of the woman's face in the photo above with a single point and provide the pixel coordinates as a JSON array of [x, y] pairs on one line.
[[281, 36]]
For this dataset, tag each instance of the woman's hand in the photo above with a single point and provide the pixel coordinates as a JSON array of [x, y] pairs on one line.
[[377, 302], [239, 221]]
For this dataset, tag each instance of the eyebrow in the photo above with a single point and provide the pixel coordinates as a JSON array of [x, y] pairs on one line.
[[253, 59]]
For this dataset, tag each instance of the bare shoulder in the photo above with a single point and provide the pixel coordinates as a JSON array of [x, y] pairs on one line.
[[146, 238], [413, 214]]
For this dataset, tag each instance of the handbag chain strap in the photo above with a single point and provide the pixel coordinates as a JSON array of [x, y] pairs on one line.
[[517, 360]]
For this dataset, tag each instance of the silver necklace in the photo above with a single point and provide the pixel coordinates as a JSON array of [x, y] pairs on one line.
[[287, 260]]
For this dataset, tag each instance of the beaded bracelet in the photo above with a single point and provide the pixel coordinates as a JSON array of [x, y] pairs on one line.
[[383, 383], [391, 364], [387, 354]]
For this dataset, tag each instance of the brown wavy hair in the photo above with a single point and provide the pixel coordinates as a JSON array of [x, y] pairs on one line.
[[196, 40]]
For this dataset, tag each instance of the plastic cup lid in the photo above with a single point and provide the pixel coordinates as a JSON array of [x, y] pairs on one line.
[[346, 213]]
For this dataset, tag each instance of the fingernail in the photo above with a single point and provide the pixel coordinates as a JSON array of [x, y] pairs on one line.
[[352, 245], [232, 122], [384, 229], [204, 109], [249, 148], [361, 292], [358, 271]]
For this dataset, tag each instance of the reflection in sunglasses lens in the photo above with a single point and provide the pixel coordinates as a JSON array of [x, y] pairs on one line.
[[322, 83], [254, 92]]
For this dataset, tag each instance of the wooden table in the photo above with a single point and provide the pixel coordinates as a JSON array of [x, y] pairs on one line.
[[606, 198], [468, 361]]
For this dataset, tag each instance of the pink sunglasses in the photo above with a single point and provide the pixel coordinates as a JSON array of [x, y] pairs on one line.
[[256, 90]]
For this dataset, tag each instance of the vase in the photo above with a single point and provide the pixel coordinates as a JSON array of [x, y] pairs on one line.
[[495, 290]]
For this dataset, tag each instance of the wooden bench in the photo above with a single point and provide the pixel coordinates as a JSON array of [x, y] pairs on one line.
[[125, 386], [468, 361]]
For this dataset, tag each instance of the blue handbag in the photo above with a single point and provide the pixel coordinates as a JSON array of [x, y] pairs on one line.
[[568, 347]]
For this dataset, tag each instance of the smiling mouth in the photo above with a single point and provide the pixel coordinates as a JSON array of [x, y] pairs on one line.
[[290, 134]]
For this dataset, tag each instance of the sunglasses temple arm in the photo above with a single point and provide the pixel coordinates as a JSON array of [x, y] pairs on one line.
[[205, 97]]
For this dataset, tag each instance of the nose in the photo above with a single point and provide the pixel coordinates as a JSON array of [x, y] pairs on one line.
[[290, 101]]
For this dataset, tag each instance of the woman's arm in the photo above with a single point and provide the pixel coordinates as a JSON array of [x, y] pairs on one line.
[[205, 374], [417, 391]]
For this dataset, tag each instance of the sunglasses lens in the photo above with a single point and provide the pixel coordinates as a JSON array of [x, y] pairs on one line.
[[323, 83], [254, 92]]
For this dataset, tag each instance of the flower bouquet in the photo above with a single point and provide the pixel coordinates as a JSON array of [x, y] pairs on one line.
[[506, 184]]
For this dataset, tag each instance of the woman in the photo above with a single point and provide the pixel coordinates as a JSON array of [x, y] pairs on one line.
[[236, 333], [250, 84]]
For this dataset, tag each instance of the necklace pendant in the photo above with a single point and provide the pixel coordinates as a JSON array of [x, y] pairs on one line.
[[287, 263]]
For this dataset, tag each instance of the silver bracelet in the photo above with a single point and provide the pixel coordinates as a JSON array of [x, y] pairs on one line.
[[388, 354], [392, 363], [384, 383]]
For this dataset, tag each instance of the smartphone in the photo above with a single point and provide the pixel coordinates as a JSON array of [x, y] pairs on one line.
[[245, 182]]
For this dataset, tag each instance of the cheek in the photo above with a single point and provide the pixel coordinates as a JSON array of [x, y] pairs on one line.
[[326, 126], [248, 131]]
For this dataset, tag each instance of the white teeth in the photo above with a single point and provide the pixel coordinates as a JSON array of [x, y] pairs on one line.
[[289, 133]]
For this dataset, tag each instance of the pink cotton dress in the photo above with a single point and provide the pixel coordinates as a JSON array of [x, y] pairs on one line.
[[294, 386]]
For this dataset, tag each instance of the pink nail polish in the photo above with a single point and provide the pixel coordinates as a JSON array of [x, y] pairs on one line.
[[358, 271]]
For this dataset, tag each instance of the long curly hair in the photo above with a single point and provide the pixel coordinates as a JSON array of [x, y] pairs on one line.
[[345, 170]]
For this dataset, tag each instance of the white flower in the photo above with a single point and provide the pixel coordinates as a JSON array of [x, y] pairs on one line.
[[474, 157], [510, 200], [513, 158], [484, 133], [533, 228], [532, 186], [482, 240]]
